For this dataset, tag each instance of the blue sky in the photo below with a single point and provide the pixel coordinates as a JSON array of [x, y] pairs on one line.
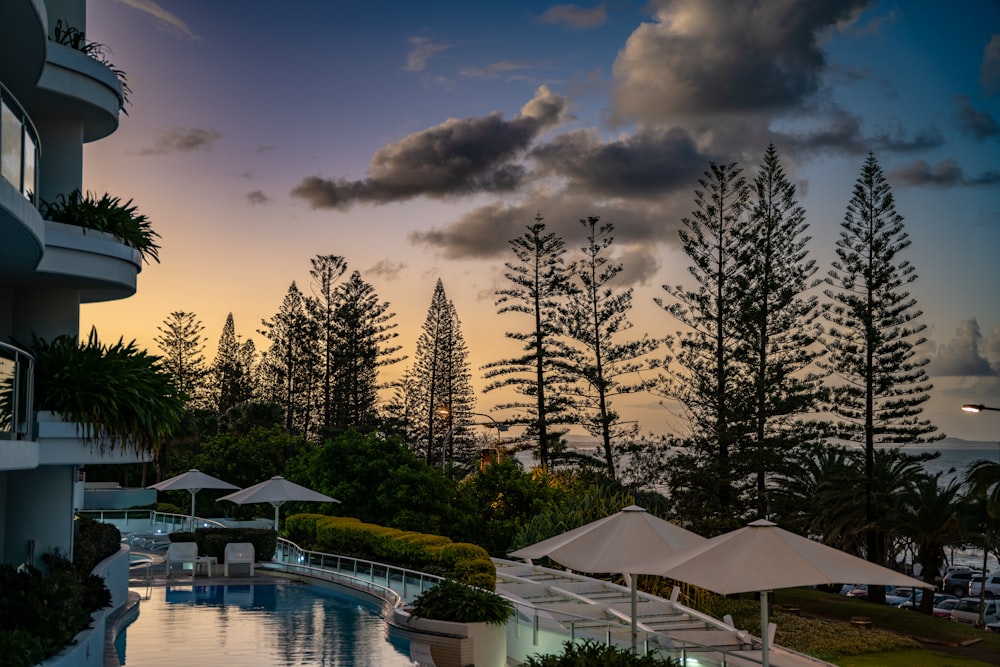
[[416, 139]]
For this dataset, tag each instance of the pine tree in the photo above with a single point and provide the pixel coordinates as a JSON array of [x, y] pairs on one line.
[[878, 384], [441, 375], [363, 335], [778, 323], [705, 373], [183, 346], [594, 316], [290, 363], [231, 372], [540, 288], [326, 271]]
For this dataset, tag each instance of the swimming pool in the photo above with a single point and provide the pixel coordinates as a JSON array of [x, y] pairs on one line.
[[262, 625]]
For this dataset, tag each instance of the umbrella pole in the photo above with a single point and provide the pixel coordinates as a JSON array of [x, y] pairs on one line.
[[633, 578], [764, 629], [276, 506], [193, 491]]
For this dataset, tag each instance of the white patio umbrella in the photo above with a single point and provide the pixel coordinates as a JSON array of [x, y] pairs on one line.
[[631, 541], [761, 557], [194, 481], [277, 491]]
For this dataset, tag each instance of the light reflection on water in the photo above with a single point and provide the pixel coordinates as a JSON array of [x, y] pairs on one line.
[[262, 625]]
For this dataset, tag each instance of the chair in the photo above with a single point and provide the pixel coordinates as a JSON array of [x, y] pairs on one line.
[[239, 552], [179, 553]]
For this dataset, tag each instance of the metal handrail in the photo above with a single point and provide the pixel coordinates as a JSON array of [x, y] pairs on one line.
[[17, 394]]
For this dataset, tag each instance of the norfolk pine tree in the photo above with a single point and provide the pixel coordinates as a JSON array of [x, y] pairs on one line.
[[321, 307], [442, 381], [871, 340], [182, 345], [231, 372], [778, 323], [711, 382], [594, 316], [540, 287], [289, 365]]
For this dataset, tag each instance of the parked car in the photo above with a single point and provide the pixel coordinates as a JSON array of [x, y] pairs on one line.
[[967, 611], [957, 582], [861, 590], [992, 585], [938, 599], [903, 595], [943, 609]]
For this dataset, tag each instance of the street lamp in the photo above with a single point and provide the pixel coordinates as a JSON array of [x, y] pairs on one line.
[[445, 413], [979, 407], [973, 407]]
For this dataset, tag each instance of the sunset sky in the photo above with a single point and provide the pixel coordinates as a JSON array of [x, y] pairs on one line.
[[416, 139]]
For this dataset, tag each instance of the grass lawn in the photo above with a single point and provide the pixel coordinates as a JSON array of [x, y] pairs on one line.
[[926, 629]]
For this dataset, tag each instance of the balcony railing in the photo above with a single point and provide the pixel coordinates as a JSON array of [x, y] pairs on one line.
[[19, 148], [17, 378]]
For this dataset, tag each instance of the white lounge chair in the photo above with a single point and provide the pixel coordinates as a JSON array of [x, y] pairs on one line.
[[239, 552], [179, 553]]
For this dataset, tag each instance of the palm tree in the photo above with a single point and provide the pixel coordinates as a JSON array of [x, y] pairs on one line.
[[930, 520]]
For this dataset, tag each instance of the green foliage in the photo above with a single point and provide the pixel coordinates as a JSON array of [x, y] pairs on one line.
[[592, 654], [117, 392], [382, 481], [41, 614], [94, 542], [433, 554], [107, 214], [460, 603]]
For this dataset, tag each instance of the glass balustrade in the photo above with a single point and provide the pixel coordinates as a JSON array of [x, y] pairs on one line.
[[18, 147], [17, 376]]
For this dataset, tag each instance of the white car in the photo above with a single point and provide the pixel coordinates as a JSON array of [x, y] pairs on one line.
[[992, 585], [967, 611]]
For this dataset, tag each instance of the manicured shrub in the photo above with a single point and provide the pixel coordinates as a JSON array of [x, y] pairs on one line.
[[593, 654], [460, 603]]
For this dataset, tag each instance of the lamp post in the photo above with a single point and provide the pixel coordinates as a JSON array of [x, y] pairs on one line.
[[445, 413], [979, 407]]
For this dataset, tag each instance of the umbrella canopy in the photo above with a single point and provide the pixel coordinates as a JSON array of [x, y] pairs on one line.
[[631, 541], [194, 481], [761, 557], [277, 491]]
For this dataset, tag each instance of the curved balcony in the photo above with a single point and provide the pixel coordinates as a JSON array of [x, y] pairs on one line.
[[75, 85], [100, 266], [21, 226], [23, 43]]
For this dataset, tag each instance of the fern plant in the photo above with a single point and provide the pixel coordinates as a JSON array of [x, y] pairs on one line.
[[459, 603], [105, 214]]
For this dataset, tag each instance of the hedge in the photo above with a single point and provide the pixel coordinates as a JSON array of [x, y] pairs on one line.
[[433, 554]]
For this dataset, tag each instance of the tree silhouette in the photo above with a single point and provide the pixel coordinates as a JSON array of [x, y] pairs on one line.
[[183, 346]]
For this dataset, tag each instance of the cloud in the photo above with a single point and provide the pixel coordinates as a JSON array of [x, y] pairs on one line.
[[388, 269], [421, 51], [715, 56], [640, 265], [574, 16], [646, 164], [257, 197], [945, 174], [495, 70], [961, 356], [459, 157], [989, 70], [182, 140], [162, 15], [979, 124]]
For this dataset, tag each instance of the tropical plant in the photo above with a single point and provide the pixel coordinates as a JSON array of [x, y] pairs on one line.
[[116, 393], [460, 603], [105, 214], [590, 653]]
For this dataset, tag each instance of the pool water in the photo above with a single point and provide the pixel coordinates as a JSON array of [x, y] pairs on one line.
[[262, 625]]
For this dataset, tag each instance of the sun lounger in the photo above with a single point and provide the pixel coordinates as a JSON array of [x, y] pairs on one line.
[[179, 553], [239, 553]]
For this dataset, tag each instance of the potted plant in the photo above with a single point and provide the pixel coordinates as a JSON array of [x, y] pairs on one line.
[[482, 616], [105, 214]]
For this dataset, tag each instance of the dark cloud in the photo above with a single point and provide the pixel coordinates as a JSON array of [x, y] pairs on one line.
[[978, 124], [257, 197], [945, 174], [507, 67], [961, 356], [712, 56], [484, 233], [458, 157], [574, 16], [640, 265], [989, 70], [266, 148], [386, 268], [182, 139], [649, 163]]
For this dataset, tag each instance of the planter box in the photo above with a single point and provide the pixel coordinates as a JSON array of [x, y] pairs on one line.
[[454, 644]]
